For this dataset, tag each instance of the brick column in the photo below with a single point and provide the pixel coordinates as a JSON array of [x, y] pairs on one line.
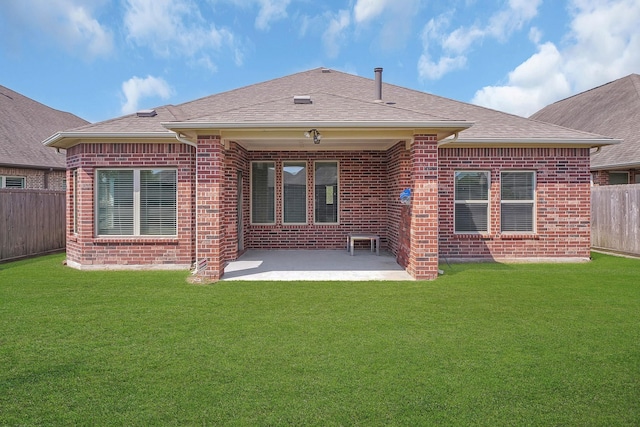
[[210, 175], [423, 253]]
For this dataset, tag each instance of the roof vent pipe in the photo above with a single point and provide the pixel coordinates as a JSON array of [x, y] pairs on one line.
[[378, 72]]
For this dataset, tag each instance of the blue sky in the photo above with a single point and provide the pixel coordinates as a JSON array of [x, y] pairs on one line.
[[101, 59]]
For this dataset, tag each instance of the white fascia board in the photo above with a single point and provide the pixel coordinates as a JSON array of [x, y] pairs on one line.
[[69, 139], [319, 124], [487, 142]]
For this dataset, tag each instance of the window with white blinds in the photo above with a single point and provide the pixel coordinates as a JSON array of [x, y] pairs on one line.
[[326, 192], [517, 200], [13, 182], [294, 191], [263, 202], [136, 202], [471, 210]]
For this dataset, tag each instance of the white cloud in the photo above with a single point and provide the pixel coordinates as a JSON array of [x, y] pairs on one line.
[[365, 10], [137, 88], [603, 44], [70, 23], [174, 27], [538, 81], [453, 45], [271, 10], [392, 19], [334, 35]]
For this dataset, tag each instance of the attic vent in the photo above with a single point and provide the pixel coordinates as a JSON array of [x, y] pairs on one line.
[[146, 113], [326, 70], [302, 99]]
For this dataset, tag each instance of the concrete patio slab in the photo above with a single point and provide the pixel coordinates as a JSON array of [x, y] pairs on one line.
[[320, 265]]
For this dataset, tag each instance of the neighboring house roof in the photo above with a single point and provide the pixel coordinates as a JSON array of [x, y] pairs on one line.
[[612, 109], [340, 103], [24, 123]]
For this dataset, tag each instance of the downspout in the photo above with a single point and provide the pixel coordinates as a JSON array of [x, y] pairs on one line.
[[194, 145]]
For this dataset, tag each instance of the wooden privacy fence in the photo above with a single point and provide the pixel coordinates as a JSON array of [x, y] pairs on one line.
[[615, 218], [31, 222]]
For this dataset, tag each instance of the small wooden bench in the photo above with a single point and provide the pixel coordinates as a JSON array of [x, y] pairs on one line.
[[373, 238]]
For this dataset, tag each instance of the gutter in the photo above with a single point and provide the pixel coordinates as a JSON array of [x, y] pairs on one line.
[[53, 140], [580, 142], [191, 125], [183, 140]]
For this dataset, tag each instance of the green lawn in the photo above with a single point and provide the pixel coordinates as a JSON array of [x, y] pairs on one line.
[[485, 344]]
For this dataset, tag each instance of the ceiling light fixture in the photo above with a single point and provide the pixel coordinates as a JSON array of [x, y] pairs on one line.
[[315, 133]]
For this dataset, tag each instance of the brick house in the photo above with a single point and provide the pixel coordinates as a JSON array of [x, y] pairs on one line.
[[24, 161], [300, 161], [612, 109]]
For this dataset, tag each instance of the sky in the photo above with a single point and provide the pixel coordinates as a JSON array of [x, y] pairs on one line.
[[101, 59]]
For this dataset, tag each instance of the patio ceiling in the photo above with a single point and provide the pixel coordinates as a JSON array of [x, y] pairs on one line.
[[334, 136]]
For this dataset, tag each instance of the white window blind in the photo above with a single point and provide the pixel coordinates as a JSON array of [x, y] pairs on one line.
[[471, 202], [263, 179], [294, 183], [517, 193], [157, 202], [326, 192]]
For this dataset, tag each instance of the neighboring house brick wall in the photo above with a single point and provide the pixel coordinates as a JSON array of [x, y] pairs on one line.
[[562, 197], [38, 179], [84, 250]]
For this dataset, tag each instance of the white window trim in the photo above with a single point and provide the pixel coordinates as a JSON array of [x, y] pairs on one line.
[[306, 195], [3, 180], [534, 202], [275, 185], [337, 200], [136, 204], [470, 202]]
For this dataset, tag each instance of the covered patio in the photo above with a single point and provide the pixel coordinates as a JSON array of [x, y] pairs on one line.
[[315, 265]]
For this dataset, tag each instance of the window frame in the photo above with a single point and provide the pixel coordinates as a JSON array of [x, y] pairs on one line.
[[3, 181], [337, 196], [466, 202], [137, 208], [251, 189], [619, 173], [532, 201], [283, 164]]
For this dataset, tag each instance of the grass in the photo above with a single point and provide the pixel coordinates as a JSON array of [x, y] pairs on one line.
[[485, 344]]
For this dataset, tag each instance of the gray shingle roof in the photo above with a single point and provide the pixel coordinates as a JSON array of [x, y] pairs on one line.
[[612, 109], [339, 97], [24, 123]]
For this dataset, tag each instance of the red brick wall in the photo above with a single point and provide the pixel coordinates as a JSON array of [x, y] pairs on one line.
[[362, 202], [423, 255], [84, 250], [399, 216], [562, 196]]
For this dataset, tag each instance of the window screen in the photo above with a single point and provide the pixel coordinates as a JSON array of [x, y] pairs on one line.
[[471, 202], [158, 202], [517, 191], [326, 192], [294, 187], [263, 179], [115, 202]]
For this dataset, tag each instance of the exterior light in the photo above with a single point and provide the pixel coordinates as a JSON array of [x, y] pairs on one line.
[[315, 134]]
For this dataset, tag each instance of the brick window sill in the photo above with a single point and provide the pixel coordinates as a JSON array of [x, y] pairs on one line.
[[140, 240], [497, 236]]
